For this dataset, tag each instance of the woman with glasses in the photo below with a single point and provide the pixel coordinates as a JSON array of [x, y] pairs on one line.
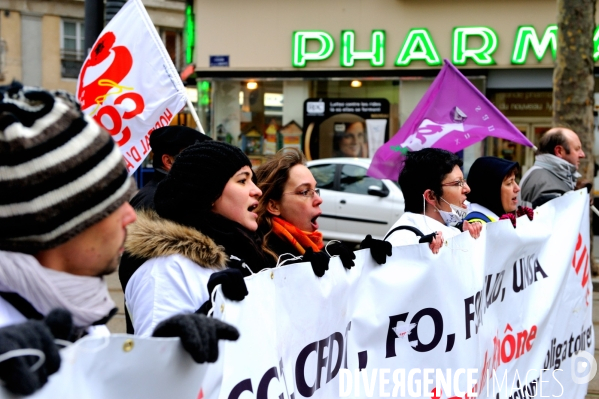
[[435, 192], [288, 211], [494, 191], [203, 233]]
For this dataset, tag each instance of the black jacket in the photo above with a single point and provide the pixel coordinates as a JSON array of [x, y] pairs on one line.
[[144, 199]]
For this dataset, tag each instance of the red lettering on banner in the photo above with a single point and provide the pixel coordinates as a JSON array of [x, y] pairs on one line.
[[505, 349], [114, 116], [165, 122], [129, 164], [580, 261], [137, 99], [145, 145], [168, 114]]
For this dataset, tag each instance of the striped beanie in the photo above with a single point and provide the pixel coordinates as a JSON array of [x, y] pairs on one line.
[[60, 173]]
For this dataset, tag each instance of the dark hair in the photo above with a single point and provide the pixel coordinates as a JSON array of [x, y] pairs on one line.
[[551, 139], [423, 170], [171, 140], [272, 177]]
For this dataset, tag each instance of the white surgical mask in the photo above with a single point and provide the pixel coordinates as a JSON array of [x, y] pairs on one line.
[[456, 215]]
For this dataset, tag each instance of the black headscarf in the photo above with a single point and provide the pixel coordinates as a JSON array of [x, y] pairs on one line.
[[485, 179], [197, 179]]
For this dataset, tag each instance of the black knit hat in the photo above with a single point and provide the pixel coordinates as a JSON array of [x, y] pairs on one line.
[[60, 172], [197, 179], [485, 179], [171, 140]]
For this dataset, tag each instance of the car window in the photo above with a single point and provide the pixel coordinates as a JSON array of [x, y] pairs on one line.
[[324, 175], [354, 180]]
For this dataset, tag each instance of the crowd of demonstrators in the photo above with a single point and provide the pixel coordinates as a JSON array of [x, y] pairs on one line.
[[434, 192], [288, 211], [166, 143], [555, 170], [494, 191], [64, 189], [205, 221], [208, 221]]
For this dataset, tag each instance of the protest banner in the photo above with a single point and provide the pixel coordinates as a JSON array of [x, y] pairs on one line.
[[128, 83], [508, 315], [123, 366], [452, 115], [505, 316]]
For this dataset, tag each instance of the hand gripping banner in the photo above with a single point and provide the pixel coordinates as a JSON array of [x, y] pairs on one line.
[[128, 83], [508, 315], [505, 316], [123, 366]]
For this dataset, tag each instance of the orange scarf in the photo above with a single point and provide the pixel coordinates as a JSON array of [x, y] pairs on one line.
[[301, 240]]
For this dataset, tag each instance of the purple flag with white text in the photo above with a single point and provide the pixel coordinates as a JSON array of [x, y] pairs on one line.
[[452, 115]]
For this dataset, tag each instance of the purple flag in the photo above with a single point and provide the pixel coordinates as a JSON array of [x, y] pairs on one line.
[[452, 115]]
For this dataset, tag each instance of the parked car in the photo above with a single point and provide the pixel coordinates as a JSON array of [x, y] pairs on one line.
[[354, 204]]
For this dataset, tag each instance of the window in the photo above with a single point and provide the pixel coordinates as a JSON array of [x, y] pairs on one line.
[[172, 40], [72, 48], [324, 175], [354, 180]]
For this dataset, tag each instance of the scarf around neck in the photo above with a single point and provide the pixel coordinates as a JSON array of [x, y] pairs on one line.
[[563, 169], [236, 239], [301, 240], [87, 298]]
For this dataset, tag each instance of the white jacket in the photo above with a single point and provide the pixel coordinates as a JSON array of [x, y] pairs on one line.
[[174, 277]]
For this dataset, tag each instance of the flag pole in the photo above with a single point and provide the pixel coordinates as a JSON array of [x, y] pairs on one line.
[[194, 115]]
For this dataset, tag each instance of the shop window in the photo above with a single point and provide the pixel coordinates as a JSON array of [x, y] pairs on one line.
[[172, 40], [72, 48]]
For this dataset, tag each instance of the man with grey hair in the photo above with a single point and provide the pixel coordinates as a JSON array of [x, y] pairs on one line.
[[555, 170]]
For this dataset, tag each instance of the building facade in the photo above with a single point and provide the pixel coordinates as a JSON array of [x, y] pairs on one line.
[[259, 62], [42, 42]]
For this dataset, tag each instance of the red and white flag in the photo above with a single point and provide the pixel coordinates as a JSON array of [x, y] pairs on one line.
[[128, 83]]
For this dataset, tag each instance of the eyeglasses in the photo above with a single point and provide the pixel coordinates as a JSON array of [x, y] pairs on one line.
[[457, 183], [307, 193]]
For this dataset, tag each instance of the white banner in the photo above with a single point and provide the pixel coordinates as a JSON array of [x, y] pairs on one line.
[[507, 316], [123, 366], [129, 84]]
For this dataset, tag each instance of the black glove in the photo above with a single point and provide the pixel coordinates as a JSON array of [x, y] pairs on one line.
[[199, 334], [33, 334], [379, 249], [347, 255], [429, 237], [232, 281], [318, 260]]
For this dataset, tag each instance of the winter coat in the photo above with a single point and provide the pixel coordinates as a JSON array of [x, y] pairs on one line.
[[281, 246], [541, 185], [425, 224], [478, 213], [550, 177], [166, 271]]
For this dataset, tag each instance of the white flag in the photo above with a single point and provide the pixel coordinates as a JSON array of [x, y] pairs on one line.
[[129, 84]]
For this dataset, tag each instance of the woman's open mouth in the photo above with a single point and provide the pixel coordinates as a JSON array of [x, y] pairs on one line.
[[314, 223]]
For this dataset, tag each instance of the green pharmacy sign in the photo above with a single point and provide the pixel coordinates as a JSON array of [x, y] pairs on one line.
[[420, 46]]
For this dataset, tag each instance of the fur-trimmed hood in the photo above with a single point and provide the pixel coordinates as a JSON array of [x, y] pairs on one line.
[[151, 236]]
